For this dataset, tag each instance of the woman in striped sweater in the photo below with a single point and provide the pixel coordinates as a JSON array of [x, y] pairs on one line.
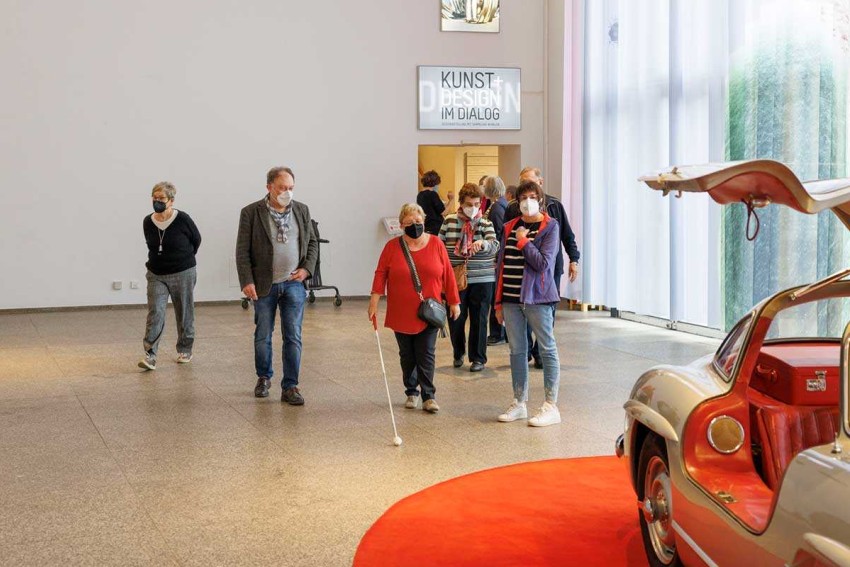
[[471, 239]]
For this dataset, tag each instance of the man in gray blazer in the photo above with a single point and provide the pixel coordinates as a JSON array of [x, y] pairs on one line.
[[276, 252]]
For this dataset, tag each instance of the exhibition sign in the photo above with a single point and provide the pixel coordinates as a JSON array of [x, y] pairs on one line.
[[469, 98]]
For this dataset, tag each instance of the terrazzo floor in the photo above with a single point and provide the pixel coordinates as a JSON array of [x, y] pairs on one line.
[[104, 464]]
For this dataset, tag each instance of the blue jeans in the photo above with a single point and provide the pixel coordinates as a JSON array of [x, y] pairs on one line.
[[533, 348], [541, 319], [290, 298]]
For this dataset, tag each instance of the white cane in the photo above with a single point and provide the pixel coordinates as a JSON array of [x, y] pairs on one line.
[[396, 438]]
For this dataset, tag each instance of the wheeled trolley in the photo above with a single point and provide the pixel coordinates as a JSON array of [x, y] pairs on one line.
[[315, 284]]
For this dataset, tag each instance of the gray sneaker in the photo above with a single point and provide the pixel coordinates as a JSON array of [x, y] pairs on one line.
[[184, 357], [148, 362]]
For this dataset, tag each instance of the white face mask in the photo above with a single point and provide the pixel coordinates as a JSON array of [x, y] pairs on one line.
[[470, 211], [529, 207], [284, 198]]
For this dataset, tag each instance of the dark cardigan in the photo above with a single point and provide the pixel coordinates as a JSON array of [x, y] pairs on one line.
[[180, 243]]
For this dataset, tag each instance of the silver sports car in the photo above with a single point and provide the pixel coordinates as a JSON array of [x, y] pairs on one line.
[[743, 457]]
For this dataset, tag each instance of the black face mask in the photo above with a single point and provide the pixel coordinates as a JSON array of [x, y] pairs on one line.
[[159, 206], [415, 230]]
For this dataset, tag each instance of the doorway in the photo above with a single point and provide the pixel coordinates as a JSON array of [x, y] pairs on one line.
[[459, 164]]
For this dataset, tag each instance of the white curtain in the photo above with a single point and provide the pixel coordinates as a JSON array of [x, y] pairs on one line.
[[654, 89], [788, 101]]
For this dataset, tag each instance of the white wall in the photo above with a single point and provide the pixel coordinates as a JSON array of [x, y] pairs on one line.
[[103, 99]]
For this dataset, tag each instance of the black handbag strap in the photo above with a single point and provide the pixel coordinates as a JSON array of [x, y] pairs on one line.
[[489, 209], [417, 285]]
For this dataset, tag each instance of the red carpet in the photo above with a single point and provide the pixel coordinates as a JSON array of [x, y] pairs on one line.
[[559, 512]]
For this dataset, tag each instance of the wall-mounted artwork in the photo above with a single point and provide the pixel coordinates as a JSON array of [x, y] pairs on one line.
[[470, 15]]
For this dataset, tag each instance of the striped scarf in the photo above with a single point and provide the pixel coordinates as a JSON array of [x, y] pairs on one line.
[[281, 220], [463, 247]]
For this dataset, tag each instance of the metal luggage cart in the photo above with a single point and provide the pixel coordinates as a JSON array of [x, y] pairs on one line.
[[315, 282]]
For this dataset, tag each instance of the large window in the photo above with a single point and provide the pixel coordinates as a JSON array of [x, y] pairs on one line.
[[654, 75], [671, 82], [788, 102], [816, 319], [729, 352]]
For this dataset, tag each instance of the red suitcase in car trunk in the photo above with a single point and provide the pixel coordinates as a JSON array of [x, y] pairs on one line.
[[801, 375]]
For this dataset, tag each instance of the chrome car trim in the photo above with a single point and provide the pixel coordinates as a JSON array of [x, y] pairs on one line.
[[844, 386], [828, 549], [818, 285], [693, 545], [651, 418]]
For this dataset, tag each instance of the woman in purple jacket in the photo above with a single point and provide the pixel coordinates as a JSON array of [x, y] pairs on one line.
[[526, 294]]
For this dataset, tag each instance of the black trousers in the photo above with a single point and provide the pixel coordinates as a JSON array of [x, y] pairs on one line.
[[475, 306], [533, 349], [417, 353], [497, 331]]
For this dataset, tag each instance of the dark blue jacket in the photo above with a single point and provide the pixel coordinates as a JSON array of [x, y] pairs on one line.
[[496, 214]]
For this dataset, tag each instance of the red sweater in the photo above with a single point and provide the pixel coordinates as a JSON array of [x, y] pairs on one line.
[[392, 276]]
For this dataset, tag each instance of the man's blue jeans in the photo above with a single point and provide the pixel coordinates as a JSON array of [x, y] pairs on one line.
[[541, 319], [290, 298]]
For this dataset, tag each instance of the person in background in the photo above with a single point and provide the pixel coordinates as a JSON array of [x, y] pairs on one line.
[[276, 251], [494, 189], [173, 241], [449, 202], [429, 200], [525, 296], [417, 342], [485, 202], [510, 194], [470, 239], [555, 209]]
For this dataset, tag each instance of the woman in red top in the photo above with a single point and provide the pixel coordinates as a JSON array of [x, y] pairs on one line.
[[417, 341]]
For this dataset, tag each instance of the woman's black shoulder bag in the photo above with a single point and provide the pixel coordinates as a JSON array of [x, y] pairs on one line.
[[432, 311]]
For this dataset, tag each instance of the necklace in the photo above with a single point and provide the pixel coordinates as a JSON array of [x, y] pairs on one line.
[[161, 236]]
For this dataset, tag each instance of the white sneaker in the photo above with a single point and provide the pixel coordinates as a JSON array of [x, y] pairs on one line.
[[411, 402], [548, 414], [518, 410], [184, 357]]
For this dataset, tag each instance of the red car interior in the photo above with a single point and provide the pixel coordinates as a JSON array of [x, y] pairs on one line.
[[800, 374], [785, 408], [786, 430], [794, 394]]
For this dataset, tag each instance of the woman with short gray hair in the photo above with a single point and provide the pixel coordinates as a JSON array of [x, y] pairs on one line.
[[173, 240]]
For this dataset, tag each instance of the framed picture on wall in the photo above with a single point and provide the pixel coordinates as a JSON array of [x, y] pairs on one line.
[[470, 15]]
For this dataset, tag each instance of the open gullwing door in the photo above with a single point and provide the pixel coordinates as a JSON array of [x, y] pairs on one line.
[[757, 183]]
